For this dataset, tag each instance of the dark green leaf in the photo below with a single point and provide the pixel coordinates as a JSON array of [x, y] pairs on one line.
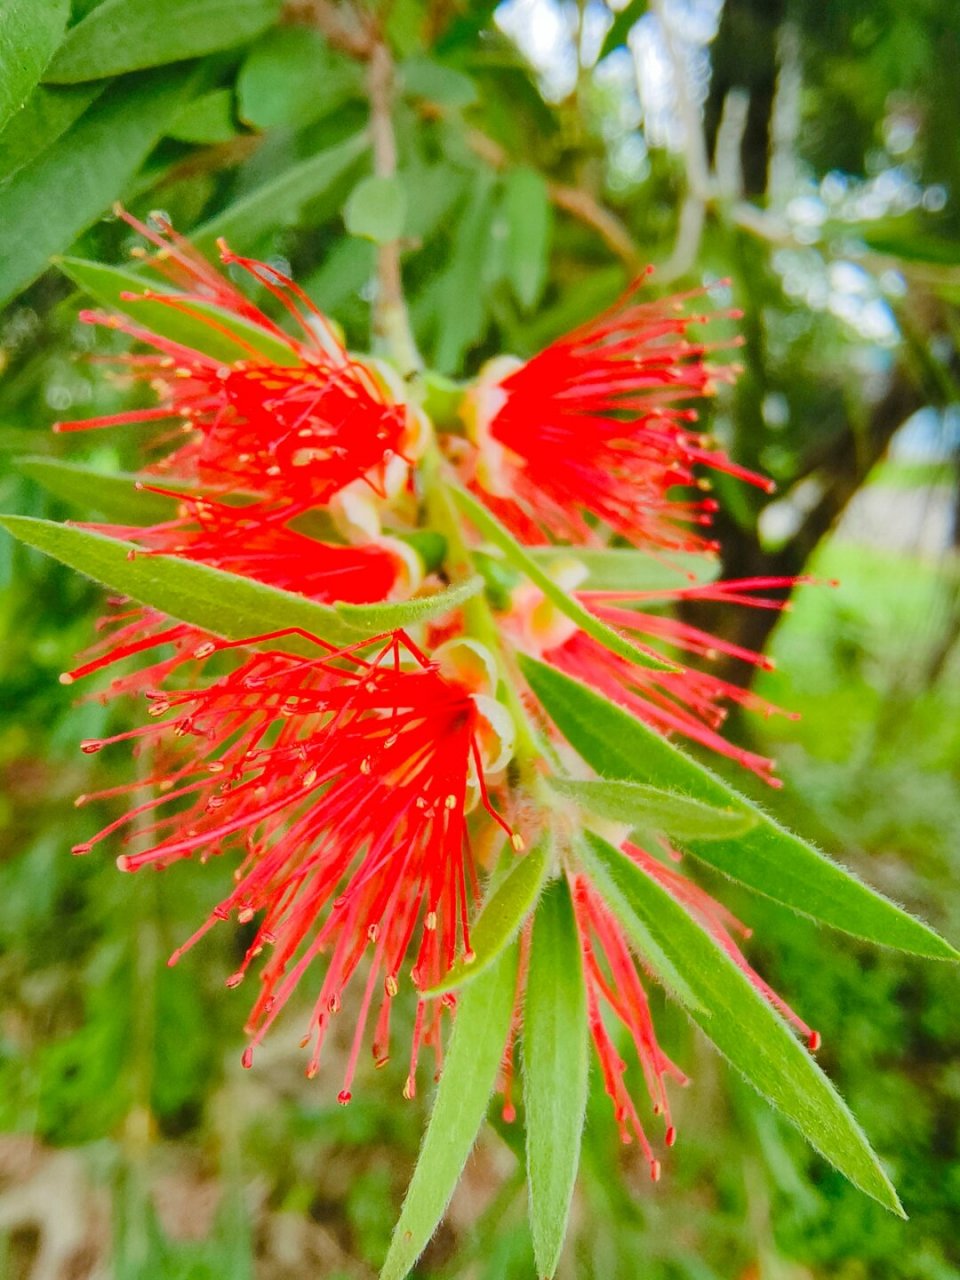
[[469, 1074], [93, 161], [114, 496], [280, 200], [555, 1047], [427, 78], [207, 119], [529, 218], [291, 77], [30, 31], [502, 915], [490, 527], [623, 24], [767, 858], [128, 35], [225, 603], [747, 1030], [201, 326], [376, 209], [49, 112], [653, 808]]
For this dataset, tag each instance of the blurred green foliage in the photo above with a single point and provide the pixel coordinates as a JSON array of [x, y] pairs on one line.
[[832, 206]]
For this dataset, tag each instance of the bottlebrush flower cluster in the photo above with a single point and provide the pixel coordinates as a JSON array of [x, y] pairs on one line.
[[361, 793]]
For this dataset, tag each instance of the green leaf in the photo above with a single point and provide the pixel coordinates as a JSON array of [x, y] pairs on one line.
[[607, 881], [375, 618], [623, 24], [281, 199], [529, 217], [491, 529], [459, 296], [767, 858], [503, 913], [128, 35], [206, 120], [225, 604], [748, 1032], [555, 1058], [30, 31], [291, 77], [654, 808], [469, 1074], [376, 209], [427, 78], [93, 162], [49, 112], [113, 496], [201, 326], [624, 569]]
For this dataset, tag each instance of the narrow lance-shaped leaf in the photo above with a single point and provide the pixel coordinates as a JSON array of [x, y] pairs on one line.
[[114, 496], [652, 807], [767, 858], [93, 162], [30, 31], [529, 217], [404, 613], [491, 528], [226, 604], [555, 1060], [746, 1029], [502, 915], [469, 1075], [627, 569], [47, 114], [280, 199], [128, 35], [122, 289]]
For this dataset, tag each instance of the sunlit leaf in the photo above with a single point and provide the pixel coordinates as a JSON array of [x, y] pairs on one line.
[[469, 1074], [555, 1057], [502, 915], [225, 604], [642, 805], [767, 858], [198, 325], [747, 1030]]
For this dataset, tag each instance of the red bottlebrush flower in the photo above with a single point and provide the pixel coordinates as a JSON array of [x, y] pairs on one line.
[[595, 424], [682, 701], [613, 984], [256, 545], [345, 782], [294, 427]]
